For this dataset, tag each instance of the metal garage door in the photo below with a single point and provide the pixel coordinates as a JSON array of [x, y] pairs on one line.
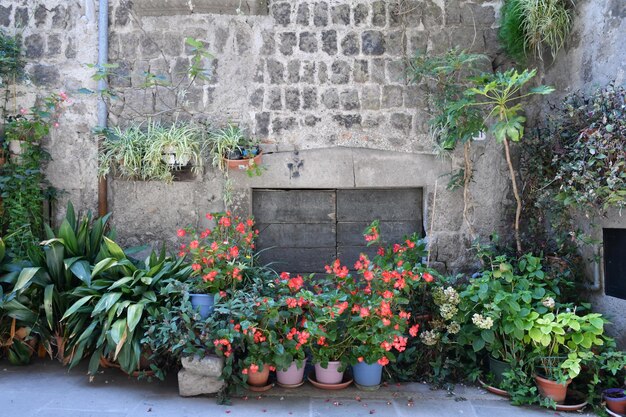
[[301, 231]]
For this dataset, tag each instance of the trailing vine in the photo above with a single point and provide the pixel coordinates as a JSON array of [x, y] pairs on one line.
[[23, 185]]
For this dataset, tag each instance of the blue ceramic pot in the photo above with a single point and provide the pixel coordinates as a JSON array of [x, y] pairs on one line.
[[203, 303], [367, 375]]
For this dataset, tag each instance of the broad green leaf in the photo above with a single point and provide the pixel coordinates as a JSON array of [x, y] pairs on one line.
[[120, 282], [478, 344], [48, 298], [118, 329], [114, 249], [106, 302], [102, 266], [81, 270], [74, 308], [66, 232], [134, 315], [25, 277]]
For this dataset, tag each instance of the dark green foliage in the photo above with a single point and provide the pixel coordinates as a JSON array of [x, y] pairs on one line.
[[23, 186], [448, 76], [511, 33], [11, 62]]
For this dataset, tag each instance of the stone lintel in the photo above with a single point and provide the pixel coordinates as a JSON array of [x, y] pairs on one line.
[[185, 7]]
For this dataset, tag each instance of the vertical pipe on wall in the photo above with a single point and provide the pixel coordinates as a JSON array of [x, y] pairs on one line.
[[103, 55]]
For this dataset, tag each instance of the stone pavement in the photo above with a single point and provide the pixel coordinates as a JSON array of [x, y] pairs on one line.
[[45, 389]]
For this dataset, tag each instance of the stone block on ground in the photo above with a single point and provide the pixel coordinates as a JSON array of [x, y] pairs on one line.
[[191, 384], [207, 366]]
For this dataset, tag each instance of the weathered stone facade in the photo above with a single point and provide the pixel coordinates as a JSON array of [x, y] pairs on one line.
[[594, 57], [323, 84]]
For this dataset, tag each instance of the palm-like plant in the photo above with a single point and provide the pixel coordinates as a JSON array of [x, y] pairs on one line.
[[500, 95]]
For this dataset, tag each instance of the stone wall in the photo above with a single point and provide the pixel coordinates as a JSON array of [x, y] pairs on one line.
[[323, 84], [594, 57], [316, 81]]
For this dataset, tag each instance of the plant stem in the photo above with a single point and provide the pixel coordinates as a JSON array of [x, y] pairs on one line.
[[518, 200], [467, 177]]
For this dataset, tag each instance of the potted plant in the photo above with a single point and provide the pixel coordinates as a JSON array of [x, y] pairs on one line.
[[258, 350], [179, 145], [329, 343], [562, 343], [615, 399], [232, 149], [288, 321], [374, 301], [496, 306], [152, 151], [219, 257]]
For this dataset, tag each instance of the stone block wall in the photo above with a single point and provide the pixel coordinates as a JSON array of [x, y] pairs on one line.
[[311, 74], [319, 82]]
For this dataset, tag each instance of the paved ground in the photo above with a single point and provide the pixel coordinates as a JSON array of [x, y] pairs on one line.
[[45, 389]]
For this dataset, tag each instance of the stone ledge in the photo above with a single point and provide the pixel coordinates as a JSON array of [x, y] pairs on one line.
[[177, 7]]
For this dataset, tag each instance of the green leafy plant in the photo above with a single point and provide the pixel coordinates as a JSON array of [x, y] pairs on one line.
[[11, 60], [108, 315], [23, 185], [563, 341], [447, 76], [497, 307], [63, 263], [589, 161]]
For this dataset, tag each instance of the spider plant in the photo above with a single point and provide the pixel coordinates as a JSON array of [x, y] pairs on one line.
[[152, 151], [173, 148], [225, 142], [122, 152], [531, 25]]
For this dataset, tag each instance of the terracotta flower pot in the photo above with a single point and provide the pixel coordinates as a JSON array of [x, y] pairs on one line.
[[615, 404], [552, 389], [243, 164], [260, 377]]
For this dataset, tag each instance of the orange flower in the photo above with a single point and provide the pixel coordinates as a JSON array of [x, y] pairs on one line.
[[427, 277], [383, 361], [414, 329]]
